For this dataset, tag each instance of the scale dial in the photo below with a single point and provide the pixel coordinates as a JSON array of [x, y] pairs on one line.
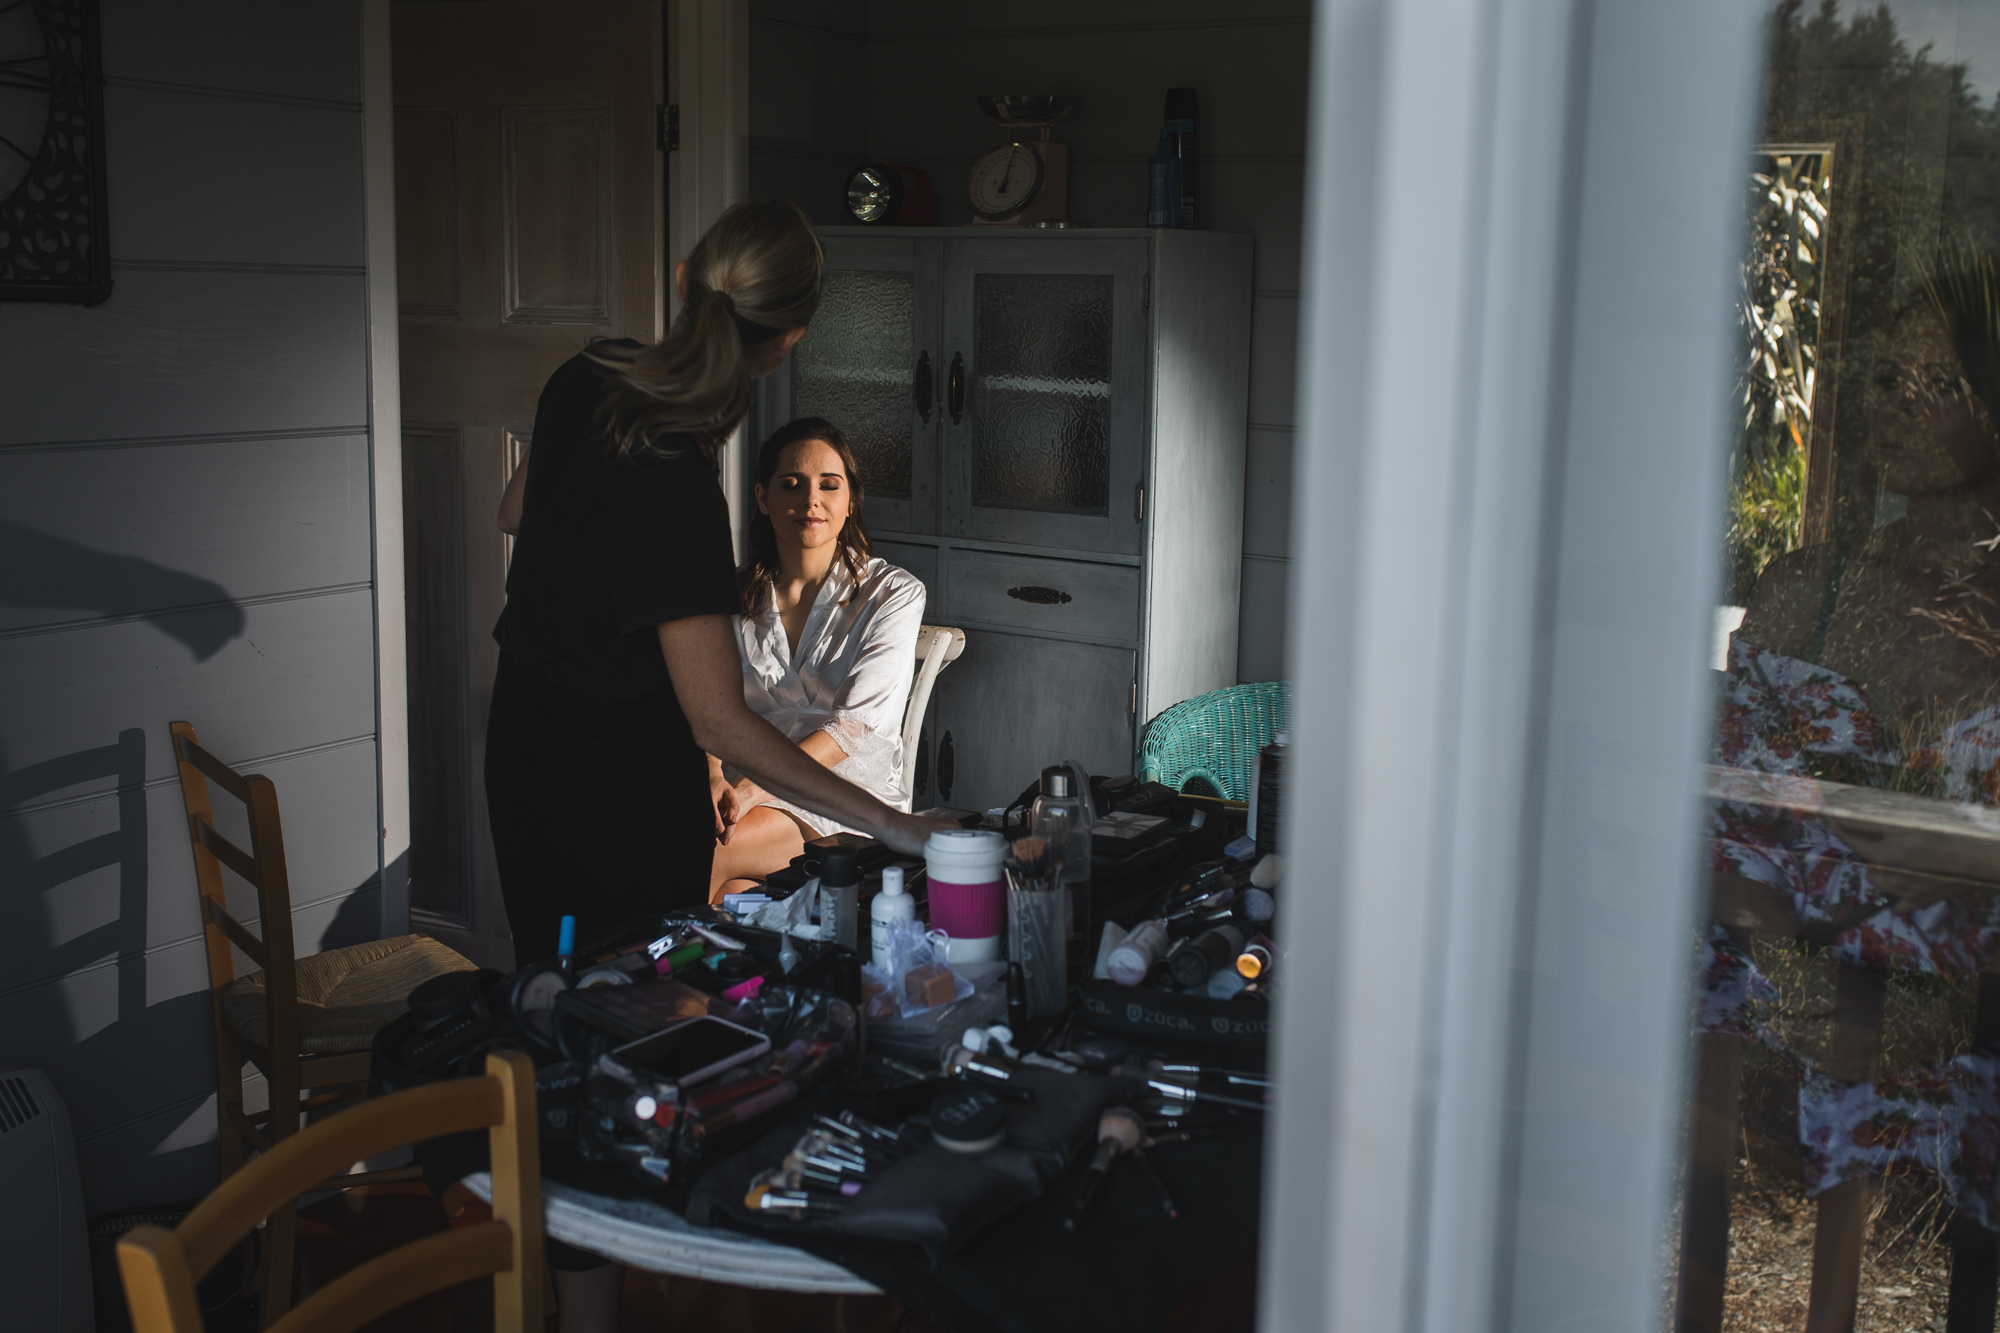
[[1006, 181], [24, 93]]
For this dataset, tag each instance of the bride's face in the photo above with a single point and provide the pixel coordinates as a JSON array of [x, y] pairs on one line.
[[1926, 430], [808, 498]]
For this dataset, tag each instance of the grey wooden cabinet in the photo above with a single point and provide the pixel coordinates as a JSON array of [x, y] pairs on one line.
[[1050, 428]]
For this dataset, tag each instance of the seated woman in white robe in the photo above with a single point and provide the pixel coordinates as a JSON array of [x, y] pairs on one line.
[[829, 637]]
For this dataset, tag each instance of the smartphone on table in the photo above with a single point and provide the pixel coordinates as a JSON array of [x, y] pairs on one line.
[[693, 1051]]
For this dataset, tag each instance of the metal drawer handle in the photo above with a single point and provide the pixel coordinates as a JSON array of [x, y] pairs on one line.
[[923, 387], [1039, 596]]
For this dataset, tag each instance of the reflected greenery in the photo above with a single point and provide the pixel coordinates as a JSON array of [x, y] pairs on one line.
[[1778, 319], [1922, 169]]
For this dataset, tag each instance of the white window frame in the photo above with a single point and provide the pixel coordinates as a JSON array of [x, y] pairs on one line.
[[1523, 221], [385, 465]]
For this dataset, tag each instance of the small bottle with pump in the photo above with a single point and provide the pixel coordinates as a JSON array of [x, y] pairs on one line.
[[893, 903]]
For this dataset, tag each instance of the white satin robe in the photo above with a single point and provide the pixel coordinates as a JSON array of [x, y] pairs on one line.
[[849, 677]]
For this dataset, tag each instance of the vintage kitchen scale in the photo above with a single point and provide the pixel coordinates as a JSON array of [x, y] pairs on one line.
[[1023, 184]]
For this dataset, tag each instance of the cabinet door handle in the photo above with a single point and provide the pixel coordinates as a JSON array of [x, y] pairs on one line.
[[946, 768], [955, 387], [1039, 596], [923, 387]]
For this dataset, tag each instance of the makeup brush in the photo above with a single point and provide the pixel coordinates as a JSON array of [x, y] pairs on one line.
[[1030, 856], [961, 1063], [1167, 1204], [1118, 1130], [1238, 1077], [1181, 1092]]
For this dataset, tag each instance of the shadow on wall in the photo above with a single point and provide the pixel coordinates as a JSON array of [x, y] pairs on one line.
[[39, 570], [73, 953], [92, 1048]]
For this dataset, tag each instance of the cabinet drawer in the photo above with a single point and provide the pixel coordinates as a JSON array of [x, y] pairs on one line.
[[919, 560], [1057, 596]]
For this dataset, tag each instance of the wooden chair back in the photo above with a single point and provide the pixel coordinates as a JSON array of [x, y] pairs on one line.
[[937, 647], [262, 867], [161, 1268]]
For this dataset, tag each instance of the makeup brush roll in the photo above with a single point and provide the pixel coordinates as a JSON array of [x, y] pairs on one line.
[[934, 1198]]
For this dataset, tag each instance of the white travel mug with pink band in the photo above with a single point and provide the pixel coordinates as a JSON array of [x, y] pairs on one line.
[[968, 891]]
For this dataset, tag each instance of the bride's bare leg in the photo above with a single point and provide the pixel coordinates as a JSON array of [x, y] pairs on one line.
[[764, 840]]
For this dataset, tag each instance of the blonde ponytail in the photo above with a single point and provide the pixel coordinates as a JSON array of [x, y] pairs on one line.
[[756, 273]]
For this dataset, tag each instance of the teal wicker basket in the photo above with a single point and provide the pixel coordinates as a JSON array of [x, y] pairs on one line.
[[1213, 737]]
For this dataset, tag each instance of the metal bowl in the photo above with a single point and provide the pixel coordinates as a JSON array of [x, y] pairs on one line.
[[1028, 108]]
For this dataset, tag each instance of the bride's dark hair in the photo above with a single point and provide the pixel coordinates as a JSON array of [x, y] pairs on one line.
[[1959, 281], [753, 581]]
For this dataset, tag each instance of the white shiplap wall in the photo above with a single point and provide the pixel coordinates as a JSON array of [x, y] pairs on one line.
[[838, 82], [185, 533]]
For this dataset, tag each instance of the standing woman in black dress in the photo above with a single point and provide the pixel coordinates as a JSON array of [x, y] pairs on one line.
[[619, 668]]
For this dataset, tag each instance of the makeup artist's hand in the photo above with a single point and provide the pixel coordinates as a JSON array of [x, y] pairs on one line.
[[908, 833], [749, 796], [705, 663], [722, 797]]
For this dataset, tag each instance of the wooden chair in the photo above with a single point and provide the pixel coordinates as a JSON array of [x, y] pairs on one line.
[[161, 1267], [305, 1023], [938, 646]]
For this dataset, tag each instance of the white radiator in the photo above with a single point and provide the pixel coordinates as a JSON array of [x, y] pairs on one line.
[[44, 1251]]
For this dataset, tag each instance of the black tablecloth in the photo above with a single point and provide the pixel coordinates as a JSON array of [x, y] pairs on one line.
[[1124, 1271]]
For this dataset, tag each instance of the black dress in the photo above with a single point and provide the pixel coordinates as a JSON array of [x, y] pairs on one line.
[[597, 792]]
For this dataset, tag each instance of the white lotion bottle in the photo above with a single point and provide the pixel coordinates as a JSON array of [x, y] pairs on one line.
[[893, 903]]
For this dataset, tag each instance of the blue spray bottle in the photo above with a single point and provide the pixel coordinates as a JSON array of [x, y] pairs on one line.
[[1163, 190]]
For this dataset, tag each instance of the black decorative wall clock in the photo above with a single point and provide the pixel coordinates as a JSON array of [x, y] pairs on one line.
[[52, 210]]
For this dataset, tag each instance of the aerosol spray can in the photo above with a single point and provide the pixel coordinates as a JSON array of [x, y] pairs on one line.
[[1267, 787], [1183, 113]]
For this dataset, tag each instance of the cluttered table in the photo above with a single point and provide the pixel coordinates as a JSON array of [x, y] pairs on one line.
[[1009, 1093], [1023, 1274]]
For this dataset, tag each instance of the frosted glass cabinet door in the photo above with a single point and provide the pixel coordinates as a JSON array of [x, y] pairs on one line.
[[868, 365], [1045, 384]]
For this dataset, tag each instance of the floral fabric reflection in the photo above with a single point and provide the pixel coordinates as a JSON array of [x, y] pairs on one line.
[[1909, 608]]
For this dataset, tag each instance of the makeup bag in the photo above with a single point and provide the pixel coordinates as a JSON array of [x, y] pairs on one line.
[[1174, 1016], [933, 1199], [583, 1105]]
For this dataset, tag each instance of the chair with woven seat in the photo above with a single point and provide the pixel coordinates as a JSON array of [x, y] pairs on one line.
[[1213, 738], [304, 1023], [160, 1268]]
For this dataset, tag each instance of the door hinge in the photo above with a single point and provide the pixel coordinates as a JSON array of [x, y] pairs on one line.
[[668, 129], [1146, 292]]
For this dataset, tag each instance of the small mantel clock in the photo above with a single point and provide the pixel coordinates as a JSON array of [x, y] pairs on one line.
[[52, 208]]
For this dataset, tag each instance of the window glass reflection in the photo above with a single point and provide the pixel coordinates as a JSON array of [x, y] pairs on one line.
[[1844, 1147]]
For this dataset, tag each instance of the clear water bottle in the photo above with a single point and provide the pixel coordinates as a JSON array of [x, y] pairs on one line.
[[1061, 816]]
